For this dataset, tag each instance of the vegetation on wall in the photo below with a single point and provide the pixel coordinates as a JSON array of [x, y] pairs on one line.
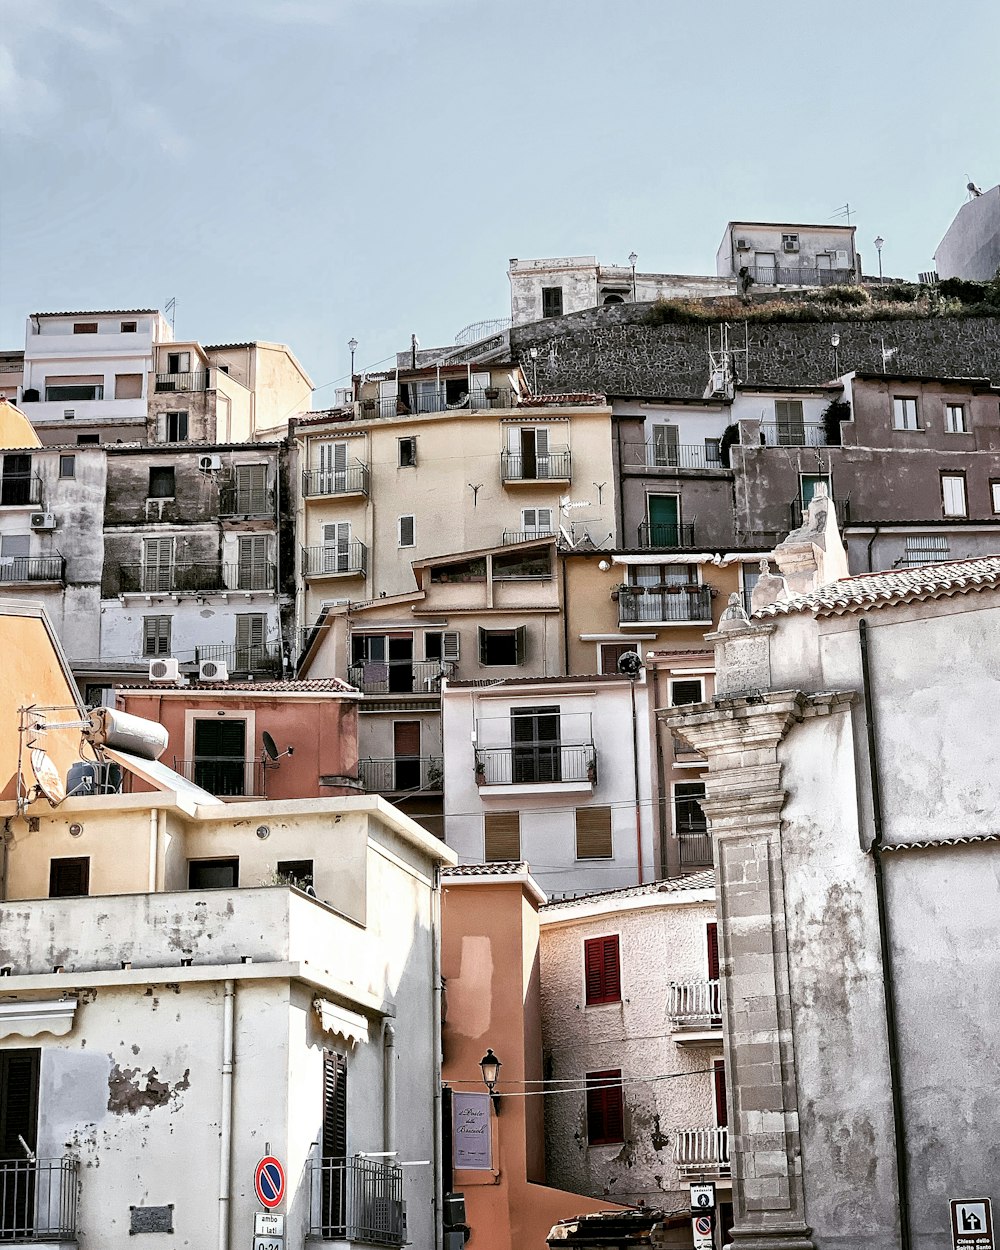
[[836, 412], [730, 435]]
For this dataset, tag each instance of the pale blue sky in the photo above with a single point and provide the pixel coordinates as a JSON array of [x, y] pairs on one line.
[[309, 170]]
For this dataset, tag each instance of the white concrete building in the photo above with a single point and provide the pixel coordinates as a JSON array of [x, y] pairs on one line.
[[554, 771], [630, 1006], [788, 254], [970, 248]]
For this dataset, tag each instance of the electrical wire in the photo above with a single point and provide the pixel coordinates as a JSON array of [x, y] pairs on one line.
[[603, 1083]]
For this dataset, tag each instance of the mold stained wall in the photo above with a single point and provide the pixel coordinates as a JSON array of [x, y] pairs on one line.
[[662, 938]]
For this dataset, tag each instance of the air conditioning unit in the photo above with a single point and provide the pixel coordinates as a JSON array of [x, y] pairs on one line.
[[209, 464], [43, 520], [164, 670], [743, 245], [789, 245], [212, 670]]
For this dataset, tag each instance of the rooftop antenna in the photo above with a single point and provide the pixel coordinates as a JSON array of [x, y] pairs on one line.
[[170, 310], [844, 211], [974, 191], [722, 360]]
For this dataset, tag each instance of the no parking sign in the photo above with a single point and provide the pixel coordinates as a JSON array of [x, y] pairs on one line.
[[269, 1182]]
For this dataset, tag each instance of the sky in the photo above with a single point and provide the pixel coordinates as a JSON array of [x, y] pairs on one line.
[[308, 171]]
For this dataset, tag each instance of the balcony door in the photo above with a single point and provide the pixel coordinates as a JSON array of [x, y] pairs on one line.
[[251, 489], [406, 754], [249, 641], [332, 468], [18, 1136], [535, 744], [220, 763], [15, 483], [790, 426], [664, 519], [157, 564], [337, 547], [766, 269], [666, 440], [253, 562], [529, 448]]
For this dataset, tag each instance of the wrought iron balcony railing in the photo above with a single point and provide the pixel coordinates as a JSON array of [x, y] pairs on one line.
[[666, 535], [673, 456], [191, 577], [524, 536], [536, 764], [702, 1151], [792, 434], [694, 850], [330, 561], [260, 658], [556, 466], [695, 1003], [398, 676], [357, 1200], [797, 509], [389, 776], [352, 480], [434, 399], [15, 569], [20, 490], [226, 778], [38, 1199], [182, 381], [675, 605], [246, 501], [788, 275]]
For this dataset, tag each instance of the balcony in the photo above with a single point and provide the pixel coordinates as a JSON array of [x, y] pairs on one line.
[[38, 1199], [510, 537], [686, 756], [696, 1011], [398, 676], [344, 560], [792, 434], [259, 658], [673, 455], [551, 763], [166, 382], [694, 850], [24, 570], [675, 605], [435, 399], [797, 509], [353, 480], [20, 490], [246, 501], [357, 1200], [226, 778], [789, 275], [557, 466], [666, 536], [193, 578], [390, 776], [702, 1153]]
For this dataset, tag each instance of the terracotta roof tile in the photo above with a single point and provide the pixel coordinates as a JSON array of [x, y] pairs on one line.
[[499, 868], [319, 685], [704, 880]]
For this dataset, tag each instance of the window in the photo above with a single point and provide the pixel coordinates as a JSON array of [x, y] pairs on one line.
[[502, 837], [213, 874], [502, 647], [250, 631], [128, 386], [904, 413], [175, 427], [251, 489], [536, 753], [995, 495], [441, 646], [334, 1125], [665, 575], [69, 878], [220, 764], [954, 419], [953, 494], [593, 833], [552, 301], [611, 653], [87, 440], [85, 327], [336, 547], [407, 453], [605, 1108], [789, 425], [750, 576], [602, 970], [666, 450], [687, 690], [156, 635], [129, 327], [15, 479], [789, 242], [523, 565], [96, 695], [463, 571], [161, 482], [13, 546], [712, 950], [298, 872], [688, 816], [19, 1124], [719, 1081], [536, 521], [178, 362], [925, 549], [406, 528], [253, 570], [808, 482], [157, 562], [67, 466], [531, 458], [73, 390]]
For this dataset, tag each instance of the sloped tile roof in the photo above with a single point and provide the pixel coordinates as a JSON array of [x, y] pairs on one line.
[[319, 685], [703, 880], [499, 868], [927, 581]]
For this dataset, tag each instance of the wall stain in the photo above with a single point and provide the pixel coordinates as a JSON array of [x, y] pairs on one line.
[[126, 1096]]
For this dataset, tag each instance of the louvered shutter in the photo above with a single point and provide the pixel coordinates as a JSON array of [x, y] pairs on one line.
[[249, 640], [69, 878], [605, 1109], [665, 444], [520, 644], [593, 833], [449, 646], [156, 635], [251, 487], [253, 562], [483, 646], [158, 557], [18, 1116], [503, 836], [334, 1105], [602, 969], [685, 692], [712, 939], [541, 452], [407, 527], [719, 1081]]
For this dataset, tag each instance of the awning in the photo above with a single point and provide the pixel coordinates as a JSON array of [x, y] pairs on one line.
[[30, 1018], [162, 778], [350, 1025]]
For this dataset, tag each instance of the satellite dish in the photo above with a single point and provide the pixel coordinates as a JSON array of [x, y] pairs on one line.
[[47, 777], [270, 750], [630, 663]]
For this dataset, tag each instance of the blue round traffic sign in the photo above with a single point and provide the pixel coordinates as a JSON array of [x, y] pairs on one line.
[[702, 1224], [269, 1182]]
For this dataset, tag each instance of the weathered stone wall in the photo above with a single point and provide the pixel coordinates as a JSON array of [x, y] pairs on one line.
[[612, 350]]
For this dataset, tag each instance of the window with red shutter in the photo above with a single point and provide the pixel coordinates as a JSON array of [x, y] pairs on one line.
[[712, 937], [605, 1108], [603, 970], [719, 1075]]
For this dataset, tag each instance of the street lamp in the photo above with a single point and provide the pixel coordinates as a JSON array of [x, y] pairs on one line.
[[491, 1066], [534, 370], [878, 247], [353, 346], [632, 258], [835, 344]]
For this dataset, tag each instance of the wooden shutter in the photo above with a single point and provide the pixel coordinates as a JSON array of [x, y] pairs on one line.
[[503, 836], [334, 1105], [156, 635], [685, 692], [520, 644], [18, 1108], [665, 444], [605, 1108], [406, 738], [69, 878], [712, 940], [249, 631], [407, 526], [593, 833], [449, 646], [483, 646], [719, 1080], [602, 969]]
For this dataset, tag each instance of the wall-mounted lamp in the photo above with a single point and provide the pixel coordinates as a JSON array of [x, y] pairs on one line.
[[603, 565], [491, 1066]]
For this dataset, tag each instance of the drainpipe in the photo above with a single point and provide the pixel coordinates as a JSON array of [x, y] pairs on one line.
[[871, 543], [436, 1023], [888, 982], [226, 1122], [277, 553], [635, 779], [565, 614], [388, 1088]]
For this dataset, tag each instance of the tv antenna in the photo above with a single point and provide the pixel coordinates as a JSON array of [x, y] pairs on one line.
[[844, 212], [170, 310]]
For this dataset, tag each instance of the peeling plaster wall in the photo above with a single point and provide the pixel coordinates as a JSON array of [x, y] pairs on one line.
[[658, 944]]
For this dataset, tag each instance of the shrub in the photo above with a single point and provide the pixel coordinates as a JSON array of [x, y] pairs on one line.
[[964, 290], [730, 435], [838, 411]]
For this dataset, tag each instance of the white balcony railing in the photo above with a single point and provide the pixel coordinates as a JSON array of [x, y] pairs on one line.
[[695, 1004], [702, 1151]]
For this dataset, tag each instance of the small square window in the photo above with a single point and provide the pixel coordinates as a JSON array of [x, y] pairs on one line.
[[69, 878], [87, 440], [500, 648], [297, 872], [161, 482], [129, 327], [688, 690], [85, 327], [904, 413], [407, 453], [213, 874], [175, 427], [67, 466], [954, 419], [552, 301], [502, 832], [593, 833]]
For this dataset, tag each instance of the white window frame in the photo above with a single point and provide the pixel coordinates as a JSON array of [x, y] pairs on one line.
[[950, 427], [902, 408], [673, 681], [956, 481], [995, 495], [409, 516]]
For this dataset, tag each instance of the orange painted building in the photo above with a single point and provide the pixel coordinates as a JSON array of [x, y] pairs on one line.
[[490, 966], [217, 735]]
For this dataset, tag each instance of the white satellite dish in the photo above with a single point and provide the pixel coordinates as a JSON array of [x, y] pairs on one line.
[[47, 777]]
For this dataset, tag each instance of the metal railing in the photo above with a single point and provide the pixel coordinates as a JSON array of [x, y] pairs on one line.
[[702, 1150], [246, 501], [479, 399], [357, 1200], [666, 535], [694, 850], [192, 577], [536, 764], [32, 569], [792, 434], [790, 275], [797, 509], [182, 381], [695, 1003], [352, 480], [523, 536], [655, 606], [259, 658], [226, 777], [673, 456], [328, 561], [556, 466], [20, 490], [387, 776], [38, 1199], [398, 676]]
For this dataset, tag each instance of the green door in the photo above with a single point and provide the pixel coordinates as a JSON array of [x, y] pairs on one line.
[[664, 518], [809, 484]]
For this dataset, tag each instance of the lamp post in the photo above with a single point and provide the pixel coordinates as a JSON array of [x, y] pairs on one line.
[[835, 344], [632, 258], [352, 345], [491, 1066], [878, 247], [534, 370]]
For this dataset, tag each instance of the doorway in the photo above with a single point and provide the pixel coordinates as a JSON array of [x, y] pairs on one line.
[[664, 520], [406, 754], [220, 764]]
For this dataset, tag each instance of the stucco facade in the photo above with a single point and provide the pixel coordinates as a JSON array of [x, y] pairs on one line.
[[970, 248], [789, 254]]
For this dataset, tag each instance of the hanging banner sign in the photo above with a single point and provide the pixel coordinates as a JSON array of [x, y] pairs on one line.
[[471, 1132]]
